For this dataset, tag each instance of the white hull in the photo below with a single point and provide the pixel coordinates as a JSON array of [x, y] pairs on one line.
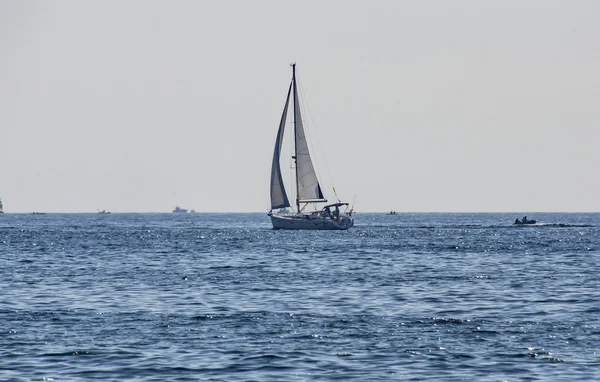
[[310, 222]]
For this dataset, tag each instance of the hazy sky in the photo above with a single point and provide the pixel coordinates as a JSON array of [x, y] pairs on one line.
[[137, 106]]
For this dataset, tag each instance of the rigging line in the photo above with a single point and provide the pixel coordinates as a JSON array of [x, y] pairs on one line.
[[306, 107]]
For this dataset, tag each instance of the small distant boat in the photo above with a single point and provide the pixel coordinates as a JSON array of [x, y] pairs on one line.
[[524, 221], [103, 212], [392, 213], [1, 208], [308, 189], [38, 213], [179, 210]]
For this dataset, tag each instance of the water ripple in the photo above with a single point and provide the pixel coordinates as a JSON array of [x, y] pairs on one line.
[[223, 297]]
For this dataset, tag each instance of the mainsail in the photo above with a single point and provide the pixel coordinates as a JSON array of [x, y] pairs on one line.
[[279, 198], [308, 184]]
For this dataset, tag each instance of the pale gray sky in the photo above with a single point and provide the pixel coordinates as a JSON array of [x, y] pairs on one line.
[[136, 106]]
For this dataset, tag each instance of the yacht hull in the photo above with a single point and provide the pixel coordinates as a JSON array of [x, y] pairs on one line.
[[310, 222]]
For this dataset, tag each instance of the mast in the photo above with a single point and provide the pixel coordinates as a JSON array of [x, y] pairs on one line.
[[295, 135]]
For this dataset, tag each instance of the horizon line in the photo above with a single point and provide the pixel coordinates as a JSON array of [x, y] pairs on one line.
[[261, 212]]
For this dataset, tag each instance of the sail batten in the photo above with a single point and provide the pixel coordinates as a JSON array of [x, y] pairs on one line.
[[279, 197]]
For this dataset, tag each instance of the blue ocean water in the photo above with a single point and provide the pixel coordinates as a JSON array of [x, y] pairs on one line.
[[223, 297]]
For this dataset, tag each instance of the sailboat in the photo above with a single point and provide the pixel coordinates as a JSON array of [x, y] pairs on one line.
[[308, 189], [1, 208]]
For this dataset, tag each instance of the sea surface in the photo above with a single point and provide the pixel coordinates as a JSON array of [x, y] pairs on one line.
[[223, 297]]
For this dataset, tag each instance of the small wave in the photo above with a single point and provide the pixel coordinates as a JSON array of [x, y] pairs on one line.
[[544, 355], [450, 320], [264, 357], [67, 353]]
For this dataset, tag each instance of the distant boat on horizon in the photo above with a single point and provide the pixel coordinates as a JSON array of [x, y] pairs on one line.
[[103, 212], [179, 210], [1, 207], [524, 221]]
